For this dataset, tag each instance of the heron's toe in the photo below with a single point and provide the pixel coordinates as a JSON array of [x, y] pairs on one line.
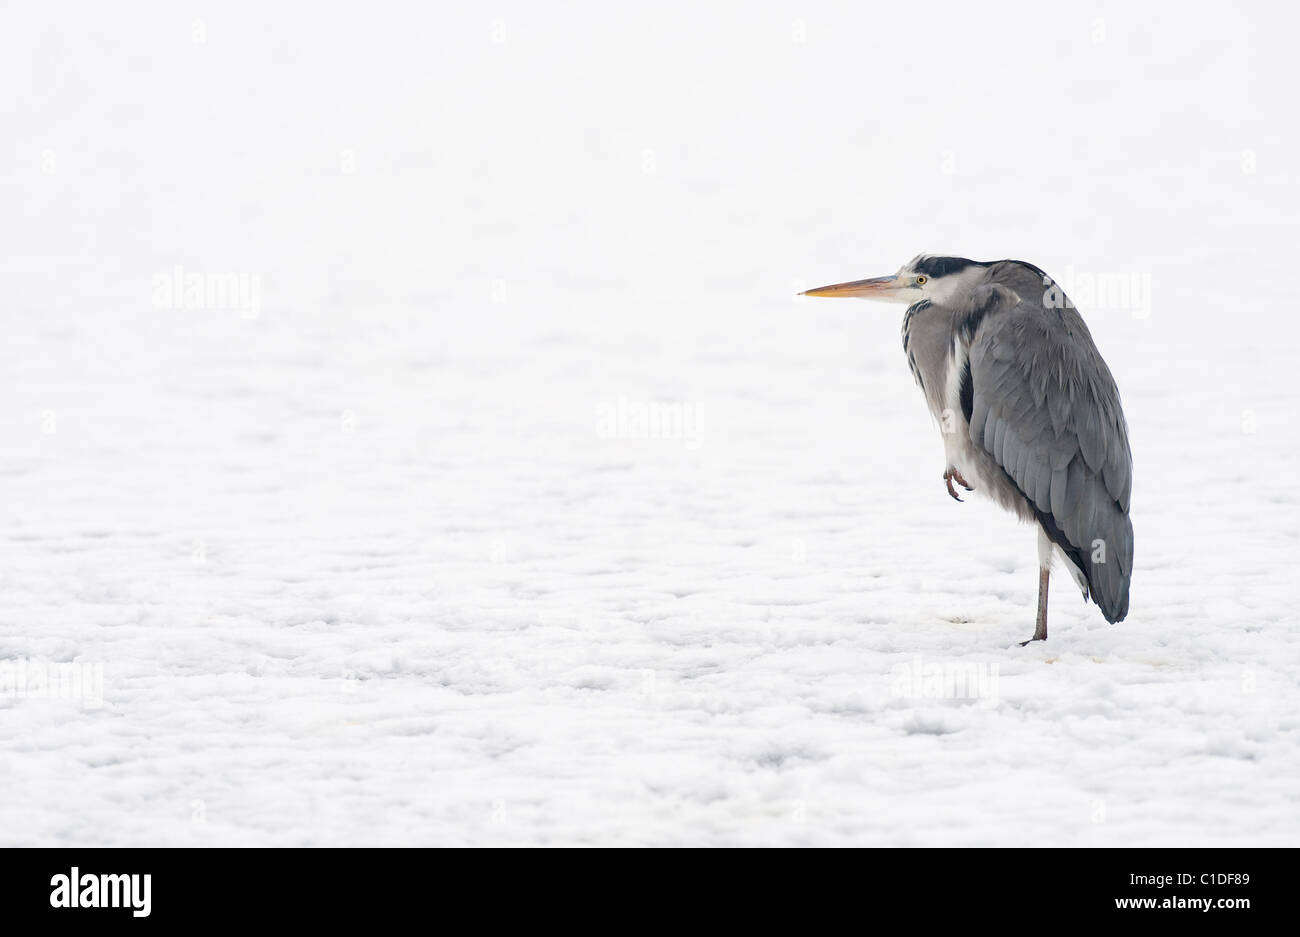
[[951, 473], [947, 480]]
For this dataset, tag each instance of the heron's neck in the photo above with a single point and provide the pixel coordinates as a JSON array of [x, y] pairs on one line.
[[912, 310]]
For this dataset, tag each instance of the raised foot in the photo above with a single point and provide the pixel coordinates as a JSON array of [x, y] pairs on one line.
[[949, 474]]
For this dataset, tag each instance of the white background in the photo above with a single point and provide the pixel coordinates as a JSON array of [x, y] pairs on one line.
[[363, 566]]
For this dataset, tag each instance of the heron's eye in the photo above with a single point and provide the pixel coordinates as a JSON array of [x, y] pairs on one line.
[[920, 281]]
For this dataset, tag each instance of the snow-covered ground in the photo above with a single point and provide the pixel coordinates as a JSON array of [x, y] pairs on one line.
[[371, 550]]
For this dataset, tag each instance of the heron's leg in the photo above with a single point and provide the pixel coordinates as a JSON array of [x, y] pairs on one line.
[[1040, 629]]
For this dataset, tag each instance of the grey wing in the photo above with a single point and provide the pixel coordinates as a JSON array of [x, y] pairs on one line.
[[1045, 407]]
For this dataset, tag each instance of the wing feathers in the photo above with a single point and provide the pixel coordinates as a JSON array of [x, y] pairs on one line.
[[1047, 410]]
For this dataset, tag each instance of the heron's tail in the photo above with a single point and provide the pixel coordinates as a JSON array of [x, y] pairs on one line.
[[1109, 568]]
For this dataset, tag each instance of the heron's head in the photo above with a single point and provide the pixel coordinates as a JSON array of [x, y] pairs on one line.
[[924, 277]]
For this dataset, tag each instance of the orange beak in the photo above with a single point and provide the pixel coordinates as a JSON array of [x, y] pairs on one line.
[[886, 288]]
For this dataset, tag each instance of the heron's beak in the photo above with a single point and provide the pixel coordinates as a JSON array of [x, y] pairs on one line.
[[886, 288]]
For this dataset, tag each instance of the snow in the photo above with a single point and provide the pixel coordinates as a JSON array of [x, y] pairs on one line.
[[383, 547]]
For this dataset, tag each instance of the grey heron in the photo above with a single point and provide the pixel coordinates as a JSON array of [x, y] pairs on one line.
[[1029, 412]]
